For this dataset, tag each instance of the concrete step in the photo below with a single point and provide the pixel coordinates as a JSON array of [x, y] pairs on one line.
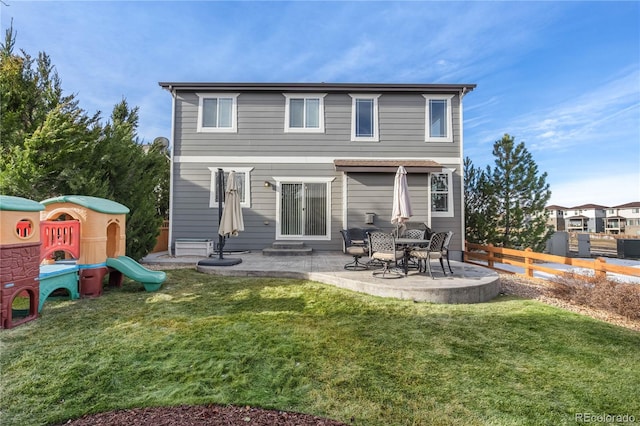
[[270, 251], [288, 244], [287, 248]]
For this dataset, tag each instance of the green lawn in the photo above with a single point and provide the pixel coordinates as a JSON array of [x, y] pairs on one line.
[[303, 346]]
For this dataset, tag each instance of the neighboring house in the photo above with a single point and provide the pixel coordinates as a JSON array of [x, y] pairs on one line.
[[314, 158], [556, 217], [585, 218], [623, 219]]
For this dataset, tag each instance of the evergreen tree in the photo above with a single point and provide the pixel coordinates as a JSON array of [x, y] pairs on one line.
[[134, 177], [507, 202], [480, 210], [52, 161], [30, 89]]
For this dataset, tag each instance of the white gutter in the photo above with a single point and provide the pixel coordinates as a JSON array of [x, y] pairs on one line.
[[462, 207]]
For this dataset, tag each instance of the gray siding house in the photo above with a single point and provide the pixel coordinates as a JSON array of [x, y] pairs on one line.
[[315, 158]]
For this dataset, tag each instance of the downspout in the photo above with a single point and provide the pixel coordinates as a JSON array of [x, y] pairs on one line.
[[173, 145], [462, 178]]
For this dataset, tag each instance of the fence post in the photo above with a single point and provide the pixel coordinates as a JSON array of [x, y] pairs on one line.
[[490, 256], [528, 270], [599, 267]]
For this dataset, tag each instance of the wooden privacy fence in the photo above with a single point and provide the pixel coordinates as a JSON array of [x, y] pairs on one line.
[[162, 242], [531, 261]]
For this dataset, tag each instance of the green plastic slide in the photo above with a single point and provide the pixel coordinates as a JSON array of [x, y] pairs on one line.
[[152, 280]]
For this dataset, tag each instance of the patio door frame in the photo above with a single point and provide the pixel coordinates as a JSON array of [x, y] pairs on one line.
[[303, 180]]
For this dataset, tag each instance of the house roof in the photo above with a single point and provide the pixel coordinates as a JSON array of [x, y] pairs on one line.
[[589, 206], [555, 207], [100, 205], [633, 204], [320, 87], [387, 166]]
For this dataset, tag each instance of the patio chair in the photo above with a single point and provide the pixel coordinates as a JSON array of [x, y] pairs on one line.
[[432, 251], [354, 243], [417, 234], [382, 247], [445, 251], [414, 233]]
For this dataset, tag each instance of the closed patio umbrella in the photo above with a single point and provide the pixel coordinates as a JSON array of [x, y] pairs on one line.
[[401, 211], [232, 221]]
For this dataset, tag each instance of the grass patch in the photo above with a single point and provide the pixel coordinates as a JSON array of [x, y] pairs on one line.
[[303, 346]]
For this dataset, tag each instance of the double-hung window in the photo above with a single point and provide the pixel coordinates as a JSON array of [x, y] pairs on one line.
[[243, 179], [304, 113], [217, 112], [442, 194], [364, 118], [438, 118]]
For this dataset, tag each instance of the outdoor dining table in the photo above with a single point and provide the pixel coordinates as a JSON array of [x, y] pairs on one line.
[[406, 244]]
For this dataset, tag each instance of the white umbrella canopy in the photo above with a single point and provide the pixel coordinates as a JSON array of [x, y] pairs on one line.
[[231, 222], [401, 211]]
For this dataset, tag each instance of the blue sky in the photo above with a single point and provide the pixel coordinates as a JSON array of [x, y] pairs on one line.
[[563, 77]]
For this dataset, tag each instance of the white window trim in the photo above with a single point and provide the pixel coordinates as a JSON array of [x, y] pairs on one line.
[[427, 120], [287, 110], [234, 112], [450, 206], [288, 179], [376, 132], [214, 185]]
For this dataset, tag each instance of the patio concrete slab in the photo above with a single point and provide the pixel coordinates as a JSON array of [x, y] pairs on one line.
[[468, 284]]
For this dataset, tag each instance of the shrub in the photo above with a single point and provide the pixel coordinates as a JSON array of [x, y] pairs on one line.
[[598, 292]]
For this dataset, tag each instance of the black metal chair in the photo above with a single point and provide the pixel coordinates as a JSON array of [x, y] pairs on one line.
[[414, 233], [354, 243], [432, 251], [382, 247], [445, 251]]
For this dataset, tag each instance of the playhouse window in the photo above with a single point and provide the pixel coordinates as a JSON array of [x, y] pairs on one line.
[[24, 228]]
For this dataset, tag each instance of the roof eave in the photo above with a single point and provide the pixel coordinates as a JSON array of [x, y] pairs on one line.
[[332, 87]]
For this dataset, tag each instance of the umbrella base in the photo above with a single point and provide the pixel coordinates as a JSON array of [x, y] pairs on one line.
[[220, 262]]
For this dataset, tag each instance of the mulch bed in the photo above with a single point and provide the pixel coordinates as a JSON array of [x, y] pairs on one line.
[[206, 415]]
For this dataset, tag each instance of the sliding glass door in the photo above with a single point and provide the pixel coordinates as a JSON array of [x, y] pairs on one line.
[[304, 211]]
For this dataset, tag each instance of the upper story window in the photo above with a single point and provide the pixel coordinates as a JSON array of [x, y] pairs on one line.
[[217, 112], [438, 118], [442, 193], [364, 118], [304, 113]]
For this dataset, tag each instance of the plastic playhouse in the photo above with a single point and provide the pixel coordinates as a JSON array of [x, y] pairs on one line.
[[67, 244]]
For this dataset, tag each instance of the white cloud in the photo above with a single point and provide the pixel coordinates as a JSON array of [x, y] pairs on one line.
[[604, 111]]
